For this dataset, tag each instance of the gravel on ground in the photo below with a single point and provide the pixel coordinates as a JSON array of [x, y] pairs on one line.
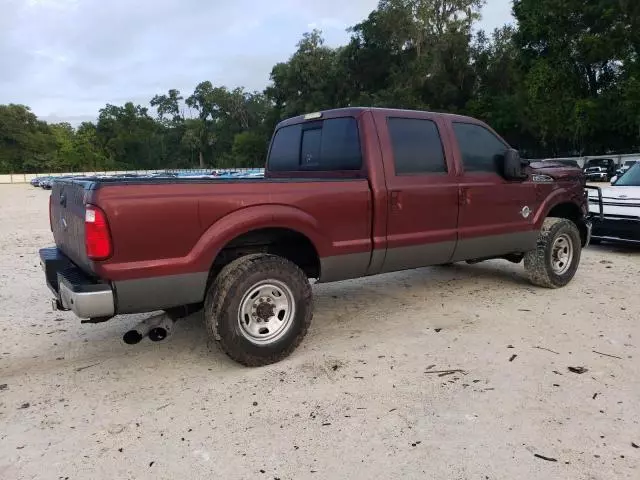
[[465, 372]]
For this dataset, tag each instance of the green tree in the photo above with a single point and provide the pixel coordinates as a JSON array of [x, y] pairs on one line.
[[249, 149], [130, 137], [576, 56], [168, 106], [26, 143], [414, 54], [310, 81], [89, 151]]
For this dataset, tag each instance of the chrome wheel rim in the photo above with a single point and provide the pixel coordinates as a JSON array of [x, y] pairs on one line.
[[266, 312], [562, 254]]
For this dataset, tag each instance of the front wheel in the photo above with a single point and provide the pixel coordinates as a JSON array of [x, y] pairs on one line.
[[554, 262], [259, 309]]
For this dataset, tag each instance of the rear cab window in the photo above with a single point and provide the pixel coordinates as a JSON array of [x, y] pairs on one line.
[[318, 146], [417, 146]]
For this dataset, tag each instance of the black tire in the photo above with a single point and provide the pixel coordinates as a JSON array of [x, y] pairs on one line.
[[538, 263], [233, 284]]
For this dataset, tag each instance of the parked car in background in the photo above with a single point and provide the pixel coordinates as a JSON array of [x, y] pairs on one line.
[[35, 182], [600, 169], [125, 175], [626, 166], [568, 163], [163, 175], [46, 183], [621, 208]]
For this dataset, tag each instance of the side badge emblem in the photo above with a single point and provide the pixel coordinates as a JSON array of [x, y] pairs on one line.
[[525, 212]]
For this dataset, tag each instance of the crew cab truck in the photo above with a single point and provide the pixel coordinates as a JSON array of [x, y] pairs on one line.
[[347, 193]]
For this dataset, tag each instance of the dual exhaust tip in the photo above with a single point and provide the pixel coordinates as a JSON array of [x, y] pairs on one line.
[[156, 328]]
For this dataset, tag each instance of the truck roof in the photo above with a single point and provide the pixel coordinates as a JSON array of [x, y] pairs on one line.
[[356, 111]]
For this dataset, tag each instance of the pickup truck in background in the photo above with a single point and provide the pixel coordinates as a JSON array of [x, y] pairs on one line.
[[620, 220], [347, 193], [600, 169]]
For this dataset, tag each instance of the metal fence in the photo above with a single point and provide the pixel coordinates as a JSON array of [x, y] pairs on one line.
[[27, 177]]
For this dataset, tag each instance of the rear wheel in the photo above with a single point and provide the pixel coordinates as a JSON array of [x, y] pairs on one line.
[[554, 262], [259, 309]]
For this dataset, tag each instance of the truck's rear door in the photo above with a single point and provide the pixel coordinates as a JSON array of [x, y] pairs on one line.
[[422, 189], [67, 211], [327, 148]]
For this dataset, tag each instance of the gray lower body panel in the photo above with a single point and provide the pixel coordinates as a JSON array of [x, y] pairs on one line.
[[495, 245], [417, 256], [157, 293], [344, 267]]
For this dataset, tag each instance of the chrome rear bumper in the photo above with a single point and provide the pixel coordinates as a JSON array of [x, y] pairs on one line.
[[73, 289]]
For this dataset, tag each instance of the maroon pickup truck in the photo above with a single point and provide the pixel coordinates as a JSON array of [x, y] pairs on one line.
[[347, 193]]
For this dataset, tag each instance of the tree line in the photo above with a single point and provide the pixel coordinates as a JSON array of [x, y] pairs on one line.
[[563, 80]]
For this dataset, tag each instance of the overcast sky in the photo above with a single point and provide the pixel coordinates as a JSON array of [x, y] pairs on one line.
[[68, 58]]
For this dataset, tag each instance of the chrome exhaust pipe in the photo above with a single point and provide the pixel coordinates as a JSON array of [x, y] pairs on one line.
[[162, 330], [136, 334]]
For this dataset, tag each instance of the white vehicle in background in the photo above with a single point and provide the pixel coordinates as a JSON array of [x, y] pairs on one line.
[[621, 209], [623, 169]]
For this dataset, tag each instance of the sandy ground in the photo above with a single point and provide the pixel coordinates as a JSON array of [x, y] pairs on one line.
[[358, 399]]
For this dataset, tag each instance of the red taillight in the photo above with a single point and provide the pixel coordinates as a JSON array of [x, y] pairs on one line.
[[50, 213], [97, 237]]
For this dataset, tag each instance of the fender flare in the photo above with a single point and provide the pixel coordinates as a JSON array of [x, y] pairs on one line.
[[557, 197], [245, 220]]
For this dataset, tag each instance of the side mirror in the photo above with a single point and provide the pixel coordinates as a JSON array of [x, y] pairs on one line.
[[514, 166], [614, 180]]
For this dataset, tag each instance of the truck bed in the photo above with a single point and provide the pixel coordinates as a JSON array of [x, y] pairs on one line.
[[172, 227]]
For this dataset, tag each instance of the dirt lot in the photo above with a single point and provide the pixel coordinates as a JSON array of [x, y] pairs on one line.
[[359, 399]]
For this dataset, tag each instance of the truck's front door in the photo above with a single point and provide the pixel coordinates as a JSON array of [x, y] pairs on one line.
[[422, 191], [496, 215]]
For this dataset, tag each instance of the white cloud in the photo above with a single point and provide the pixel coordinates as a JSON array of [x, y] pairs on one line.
[[68, 58], [327, 24], [59, 4]]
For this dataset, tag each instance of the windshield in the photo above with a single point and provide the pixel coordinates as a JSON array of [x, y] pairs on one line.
[[631, 178]]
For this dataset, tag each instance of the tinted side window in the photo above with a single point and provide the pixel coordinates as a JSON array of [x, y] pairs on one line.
[[417, 147], [310, 151], [481, 150], [340, 149], [285, 149], [332, 144]]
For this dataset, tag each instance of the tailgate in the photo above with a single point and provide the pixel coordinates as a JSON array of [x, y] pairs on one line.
[[67, 220]]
